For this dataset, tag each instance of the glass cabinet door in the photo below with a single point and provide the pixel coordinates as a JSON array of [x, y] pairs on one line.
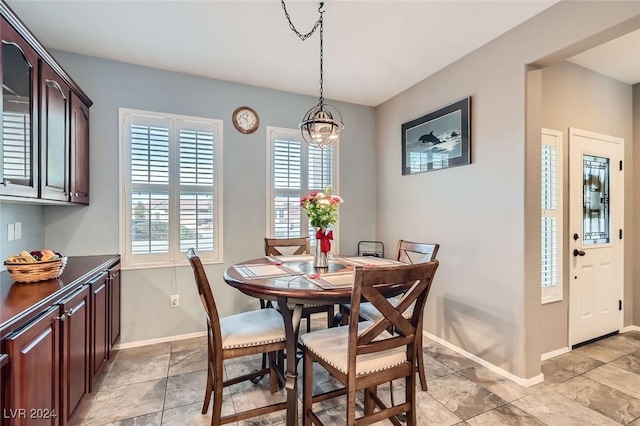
[[18, 166]]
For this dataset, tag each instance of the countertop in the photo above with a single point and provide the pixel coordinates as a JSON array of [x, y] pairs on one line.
[[19, 302]]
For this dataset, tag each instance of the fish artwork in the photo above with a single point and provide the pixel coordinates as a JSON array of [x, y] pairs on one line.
[[429, 138]]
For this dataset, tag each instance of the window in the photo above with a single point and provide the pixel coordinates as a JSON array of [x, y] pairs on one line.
[[171, 188], [551, 226], [294, 170]]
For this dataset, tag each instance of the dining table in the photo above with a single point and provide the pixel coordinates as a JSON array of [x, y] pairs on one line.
[[293, 281]]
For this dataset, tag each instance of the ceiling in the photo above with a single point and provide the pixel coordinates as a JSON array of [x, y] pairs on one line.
[[373, 50]]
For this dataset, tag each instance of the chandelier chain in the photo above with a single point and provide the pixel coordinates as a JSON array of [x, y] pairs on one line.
[[303, 37], [321, 57]]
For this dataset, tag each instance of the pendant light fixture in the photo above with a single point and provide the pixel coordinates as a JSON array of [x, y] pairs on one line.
[[322, 125]]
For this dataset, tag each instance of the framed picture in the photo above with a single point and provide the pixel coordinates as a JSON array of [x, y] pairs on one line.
[[438, 140]]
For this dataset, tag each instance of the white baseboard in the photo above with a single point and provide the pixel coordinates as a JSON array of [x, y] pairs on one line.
[[504, 373], [160, 340], [630, 328], [555, 353]]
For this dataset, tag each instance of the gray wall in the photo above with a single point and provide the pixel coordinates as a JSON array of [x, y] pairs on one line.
[[94, 229], [486, 296], [573, 96], [32, 219]]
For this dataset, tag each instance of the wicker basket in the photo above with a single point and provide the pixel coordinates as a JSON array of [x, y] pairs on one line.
[[39, 271]]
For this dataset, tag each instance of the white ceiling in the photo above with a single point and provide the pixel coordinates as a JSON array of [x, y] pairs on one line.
[[373, 50], [619, 58]]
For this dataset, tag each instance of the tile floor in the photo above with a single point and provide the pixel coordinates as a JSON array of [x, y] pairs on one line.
[[163, 384]]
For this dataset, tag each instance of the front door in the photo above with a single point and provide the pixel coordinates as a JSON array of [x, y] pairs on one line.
[[596, 204]]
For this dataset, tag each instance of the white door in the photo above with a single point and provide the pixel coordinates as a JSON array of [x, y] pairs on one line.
[[596, 205]]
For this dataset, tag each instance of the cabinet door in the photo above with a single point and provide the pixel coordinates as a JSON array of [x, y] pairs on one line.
[[54, 135], [74, 374], [79, 151], [19, 77], [4, 361], [34, 382], [114, 306], [99, 324]]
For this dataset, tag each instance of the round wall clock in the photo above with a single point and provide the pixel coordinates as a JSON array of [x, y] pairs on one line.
[[246, 119]]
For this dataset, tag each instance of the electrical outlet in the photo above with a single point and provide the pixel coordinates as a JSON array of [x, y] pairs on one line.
[[18, 230], [175, 300]]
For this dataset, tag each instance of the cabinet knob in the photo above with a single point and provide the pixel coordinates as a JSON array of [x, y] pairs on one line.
[[62, 317], [69, 312]]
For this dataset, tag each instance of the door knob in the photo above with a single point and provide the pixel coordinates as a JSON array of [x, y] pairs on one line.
[[577, 252]]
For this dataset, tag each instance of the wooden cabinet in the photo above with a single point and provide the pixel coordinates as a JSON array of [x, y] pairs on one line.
[[34, 377], [79, 184], [54, 135], [114, 307], [57, 336], [99, 324], [19, 77], [44, 154], [74, 371]]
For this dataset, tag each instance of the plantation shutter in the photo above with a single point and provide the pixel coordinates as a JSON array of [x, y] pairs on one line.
[[172, 183], [196, 187], [320, 175], [287, 180], [16, 147], [296, 169], [149, 200], [551, 217]]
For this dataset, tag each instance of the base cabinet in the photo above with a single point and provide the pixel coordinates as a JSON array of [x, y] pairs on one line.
[[34, 376], [74, 371], [50, 359], [99, 324], [114, 307]]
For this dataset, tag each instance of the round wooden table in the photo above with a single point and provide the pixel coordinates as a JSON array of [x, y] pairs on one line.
[[295, 290]]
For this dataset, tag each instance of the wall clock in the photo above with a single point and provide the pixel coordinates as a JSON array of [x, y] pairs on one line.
[[246, 120]]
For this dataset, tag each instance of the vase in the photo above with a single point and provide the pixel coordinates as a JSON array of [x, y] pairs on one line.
[[320, 258]]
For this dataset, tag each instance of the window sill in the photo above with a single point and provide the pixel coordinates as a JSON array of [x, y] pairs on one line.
[[168, 265]]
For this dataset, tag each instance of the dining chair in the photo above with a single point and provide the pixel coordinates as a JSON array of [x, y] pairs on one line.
[[363, 355], [278, 247], [407, 252], [249, 333]]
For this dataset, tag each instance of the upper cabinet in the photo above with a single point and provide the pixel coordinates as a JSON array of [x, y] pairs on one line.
[[44, 155], [19, 154], [54, 135]]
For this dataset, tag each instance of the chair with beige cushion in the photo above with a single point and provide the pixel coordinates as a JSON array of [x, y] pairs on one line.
[[249, 333], [363, 355], [276, 247], [407, 252]]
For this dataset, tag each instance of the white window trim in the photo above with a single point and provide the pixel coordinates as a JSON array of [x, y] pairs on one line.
[[554, 293], [123, 187], [273, 132]]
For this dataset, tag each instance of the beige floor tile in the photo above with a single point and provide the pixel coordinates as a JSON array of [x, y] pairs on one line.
[[124, 402], [462, 396], [556, 410], [185, 389], [187, 361], [617, 378], [153, 419], [612, 403], [191, 414], [494, 383], [505, 415]]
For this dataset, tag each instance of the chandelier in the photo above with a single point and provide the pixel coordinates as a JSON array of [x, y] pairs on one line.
[[322, 125]]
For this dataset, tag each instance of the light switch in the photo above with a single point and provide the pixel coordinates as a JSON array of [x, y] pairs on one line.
[[11, 232], [18, 230]]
